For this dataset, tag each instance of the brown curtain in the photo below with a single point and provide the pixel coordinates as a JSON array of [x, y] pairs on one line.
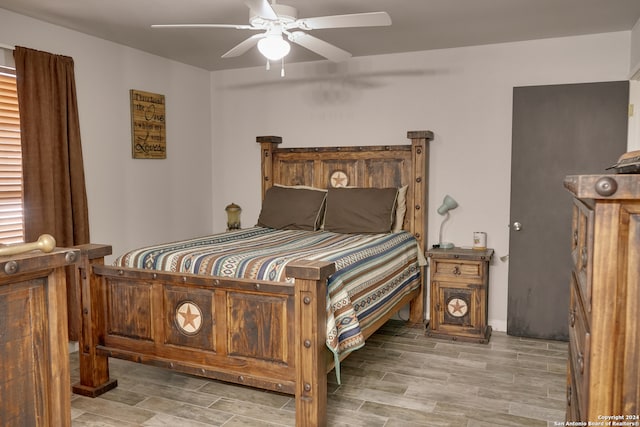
[[55, 199]]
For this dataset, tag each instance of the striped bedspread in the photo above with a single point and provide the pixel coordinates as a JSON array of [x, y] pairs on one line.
[[373, 271]]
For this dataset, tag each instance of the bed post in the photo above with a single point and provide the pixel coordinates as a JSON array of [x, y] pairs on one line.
[[310, 308], [94, 368], [419, 213], [267, 144]]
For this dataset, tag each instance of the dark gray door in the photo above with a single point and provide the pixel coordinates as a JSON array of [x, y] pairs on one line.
[[558, 130]]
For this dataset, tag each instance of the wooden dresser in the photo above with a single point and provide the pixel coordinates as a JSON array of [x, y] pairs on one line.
[[35, 385], [603, 378]]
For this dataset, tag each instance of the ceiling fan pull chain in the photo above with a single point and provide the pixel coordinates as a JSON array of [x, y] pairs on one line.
[[282, 69], [268, 65]]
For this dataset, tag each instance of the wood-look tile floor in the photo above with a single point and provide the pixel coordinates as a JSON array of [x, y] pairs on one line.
[[401, 378]]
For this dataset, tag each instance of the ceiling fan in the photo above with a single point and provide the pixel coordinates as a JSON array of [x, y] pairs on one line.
[[278, 20]]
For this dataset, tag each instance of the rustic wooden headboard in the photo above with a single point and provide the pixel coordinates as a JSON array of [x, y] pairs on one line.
[[358, 166]]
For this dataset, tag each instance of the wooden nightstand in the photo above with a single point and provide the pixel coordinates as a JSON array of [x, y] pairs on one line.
[[459, 291]]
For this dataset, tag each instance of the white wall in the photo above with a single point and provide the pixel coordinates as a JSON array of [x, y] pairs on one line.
[[463, 95], [634, 90], [133, 202], [633, 141], [635, 51]]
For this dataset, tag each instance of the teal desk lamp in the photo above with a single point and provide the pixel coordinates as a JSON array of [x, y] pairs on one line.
[[447, 204]]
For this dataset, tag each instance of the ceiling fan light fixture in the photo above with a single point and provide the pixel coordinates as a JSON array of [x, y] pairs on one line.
[[273, 20], [274, 47]]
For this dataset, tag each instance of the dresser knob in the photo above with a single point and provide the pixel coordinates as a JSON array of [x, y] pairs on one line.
[[11, 267], [572, 318], [70, 257], [606, 186], [456, 270], [581, 363]]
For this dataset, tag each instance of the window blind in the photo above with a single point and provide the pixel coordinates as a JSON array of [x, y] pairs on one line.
[[11, 223]]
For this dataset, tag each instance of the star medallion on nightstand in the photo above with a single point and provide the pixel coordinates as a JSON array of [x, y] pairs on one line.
[[457, 307]]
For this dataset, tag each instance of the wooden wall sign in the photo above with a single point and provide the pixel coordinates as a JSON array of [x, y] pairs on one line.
[[148, 125]]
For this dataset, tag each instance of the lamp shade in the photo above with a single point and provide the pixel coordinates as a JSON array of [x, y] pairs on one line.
[[274, 47], [447, 204]]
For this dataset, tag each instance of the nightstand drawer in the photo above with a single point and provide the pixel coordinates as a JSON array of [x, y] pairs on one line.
[[580, 344], [457, 269], [582, 249]]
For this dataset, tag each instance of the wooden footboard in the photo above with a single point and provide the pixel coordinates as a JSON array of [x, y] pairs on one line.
[[264, 334]]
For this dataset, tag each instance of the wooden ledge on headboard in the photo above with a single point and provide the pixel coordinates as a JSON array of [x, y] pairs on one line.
[[269, 138], [420, 134]]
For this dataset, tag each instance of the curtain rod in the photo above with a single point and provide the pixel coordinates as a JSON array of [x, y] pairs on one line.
[[6, 46]]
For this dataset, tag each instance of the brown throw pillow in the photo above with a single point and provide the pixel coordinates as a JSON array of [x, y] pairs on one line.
[[289, 208], [360, 210]]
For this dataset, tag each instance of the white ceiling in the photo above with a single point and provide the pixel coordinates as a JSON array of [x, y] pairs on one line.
[[417, 24]]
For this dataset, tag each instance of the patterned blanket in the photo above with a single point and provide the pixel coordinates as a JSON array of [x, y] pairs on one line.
[[373, 271]]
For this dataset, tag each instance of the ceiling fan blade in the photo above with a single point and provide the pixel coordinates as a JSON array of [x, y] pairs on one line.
[[320, 47], [235, 26], [370, 19], [244, 46], [262, 8]]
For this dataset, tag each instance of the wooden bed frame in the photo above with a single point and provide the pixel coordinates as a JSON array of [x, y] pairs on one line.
[[263, 334]]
